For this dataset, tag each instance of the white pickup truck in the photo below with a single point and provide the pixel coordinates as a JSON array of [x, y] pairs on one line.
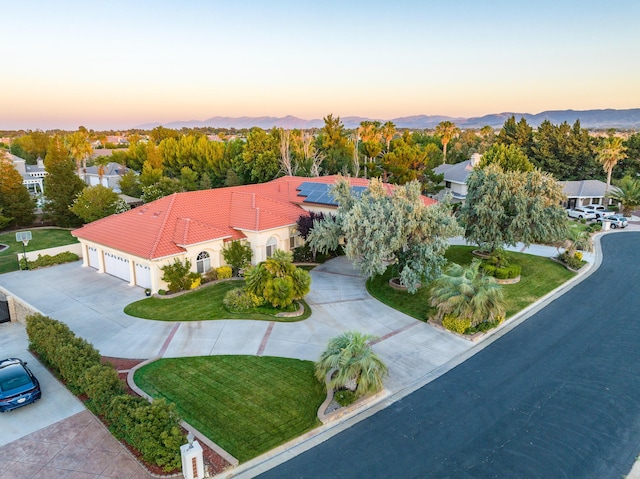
[[599, 210]]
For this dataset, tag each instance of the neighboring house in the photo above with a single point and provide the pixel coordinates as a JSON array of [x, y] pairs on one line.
[[586, 192], [195, 225], [455, 178], [32, 175], [110, 177]]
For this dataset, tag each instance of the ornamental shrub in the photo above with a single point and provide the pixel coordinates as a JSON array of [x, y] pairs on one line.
[[224, 272], [345, 397], [47, 260], [196, 282], [101, 384], [455, 324], [578, 255], [240, 300], [179, 276]]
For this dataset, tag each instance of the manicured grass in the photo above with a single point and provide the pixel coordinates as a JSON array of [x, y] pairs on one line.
[[246, 404], [42, 238], [203, 304], [539, 276]]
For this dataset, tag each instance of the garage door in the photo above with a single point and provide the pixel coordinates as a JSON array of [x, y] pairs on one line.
[[117, 266], [143, 275], [93, 257]]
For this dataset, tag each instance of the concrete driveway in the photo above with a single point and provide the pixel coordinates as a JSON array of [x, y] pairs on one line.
[[92, 305], [57, 402]]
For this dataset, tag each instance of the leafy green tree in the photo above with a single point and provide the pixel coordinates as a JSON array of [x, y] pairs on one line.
[[95, 202], [130, 184], [333, 144], [378, 227], [178, 275], [610, 152], [261, 155], [630, 166], [278, 280], [519, 134], [31, 146], [446, 130], [14, 196], [160, 133], [510, 158], [466, 293], [4, 220], [504, 208], [627, 192], [356, 366], [165, 186], [62, 185], [237, 255]]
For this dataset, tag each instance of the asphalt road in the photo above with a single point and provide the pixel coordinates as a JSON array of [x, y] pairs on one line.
[[557, 397]]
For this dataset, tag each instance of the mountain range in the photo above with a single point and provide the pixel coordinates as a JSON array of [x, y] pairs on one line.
[[593, 119]]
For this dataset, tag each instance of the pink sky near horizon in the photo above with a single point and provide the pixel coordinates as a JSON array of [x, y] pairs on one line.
[[79, 64]]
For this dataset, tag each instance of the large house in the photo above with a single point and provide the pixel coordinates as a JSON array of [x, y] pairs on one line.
[[32, 175], [195, 226], [455, 178], [111, 174]]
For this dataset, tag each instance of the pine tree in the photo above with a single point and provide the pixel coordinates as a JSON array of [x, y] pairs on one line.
[[61, 186], [15, 200]]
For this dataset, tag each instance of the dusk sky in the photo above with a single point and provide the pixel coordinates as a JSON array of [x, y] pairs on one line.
[[117, 64]]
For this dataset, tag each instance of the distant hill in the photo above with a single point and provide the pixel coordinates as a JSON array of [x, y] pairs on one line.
[[609, 118]]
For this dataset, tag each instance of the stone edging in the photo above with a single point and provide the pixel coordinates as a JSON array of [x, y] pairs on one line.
[[508, 280], [201, 437], [292, 314], [556, 260], [180, 293]]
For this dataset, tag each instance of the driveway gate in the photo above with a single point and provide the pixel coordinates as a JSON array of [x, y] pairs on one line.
[[4, 309]]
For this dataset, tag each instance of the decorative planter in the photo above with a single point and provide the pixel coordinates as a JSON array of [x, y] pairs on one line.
[[395, 284], [147, 292]]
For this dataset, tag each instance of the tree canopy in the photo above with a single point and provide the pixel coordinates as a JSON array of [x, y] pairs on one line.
[[382, 226], [15, 200], [504, 208], [95, 202]]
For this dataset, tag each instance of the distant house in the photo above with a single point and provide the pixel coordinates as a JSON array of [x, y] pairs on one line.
[[196, 225], [586, 192], [455, 178], [110, 176], [32, 175]]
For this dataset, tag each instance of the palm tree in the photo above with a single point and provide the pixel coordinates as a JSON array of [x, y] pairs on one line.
[[465, 293], [101, 162], [80, 149], [610, 152], [388, 131], [356, 365], [447, 130], [628, 194]]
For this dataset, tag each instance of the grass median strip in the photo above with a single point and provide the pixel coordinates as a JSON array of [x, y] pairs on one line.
[[204, 304], [246, 404], [539, 276]]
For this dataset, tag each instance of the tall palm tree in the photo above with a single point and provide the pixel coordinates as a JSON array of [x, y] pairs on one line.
[[465, 293], [388, 131], [447, 130], [356, 364], [101, 162], [610, 152], [80, 149]]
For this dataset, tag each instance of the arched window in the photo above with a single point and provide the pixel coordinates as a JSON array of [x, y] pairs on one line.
[[203, 262], [272, 245]]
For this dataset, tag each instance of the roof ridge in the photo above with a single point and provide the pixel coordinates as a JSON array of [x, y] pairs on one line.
[[164, 222]]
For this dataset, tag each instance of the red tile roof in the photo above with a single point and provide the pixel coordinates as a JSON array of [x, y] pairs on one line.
[[165, 226]]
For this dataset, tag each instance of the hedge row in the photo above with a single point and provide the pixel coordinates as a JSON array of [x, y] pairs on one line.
[[48, 260], [151, 428]]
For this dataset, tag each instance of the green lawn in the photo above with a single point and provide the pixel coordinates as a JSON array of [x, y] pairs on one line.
[[41, 239], [246, 404], [202, 304], [539, 276]]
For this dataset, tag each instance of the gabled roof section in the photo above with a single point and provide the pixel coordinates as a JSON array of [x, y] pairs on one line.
[[456, 173], [585, 188]]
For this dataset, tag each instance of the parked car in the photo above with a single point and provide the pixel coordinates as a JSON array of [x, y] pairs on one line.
[[615, 221], [599, 210], [18, 385], [580, 213]]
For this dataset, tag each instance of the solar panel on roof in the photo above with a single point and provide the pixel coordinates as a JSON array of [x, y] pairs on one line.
[[320, 193]]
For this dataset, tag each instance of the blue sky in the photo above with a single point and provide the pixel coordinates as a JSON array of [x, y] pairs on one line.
[[118, 64]]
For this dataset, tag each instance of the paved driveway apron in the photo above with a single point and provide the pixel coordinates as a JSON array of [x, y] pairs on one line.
[[92, 305], [556, 397]]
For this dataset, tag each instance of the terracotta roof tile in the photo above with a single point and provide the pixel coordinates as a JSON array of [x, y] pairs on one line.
[[165, 226]]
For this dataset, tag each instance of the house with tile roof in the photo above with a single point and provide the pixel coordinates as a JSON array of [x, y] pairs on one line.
[[195, 225]]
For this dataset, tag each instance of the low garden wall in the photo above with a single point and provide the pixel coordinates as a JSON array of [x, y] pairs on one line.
[[72, 248]]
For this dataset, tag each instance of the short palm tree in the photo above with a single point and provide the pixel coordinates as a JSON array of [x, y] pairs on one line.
[[627, 193], [355, 364], [465, 292]]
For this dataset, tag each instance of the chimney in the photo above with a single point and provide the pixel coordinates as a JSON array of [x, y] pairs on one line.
[[475, 159]]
